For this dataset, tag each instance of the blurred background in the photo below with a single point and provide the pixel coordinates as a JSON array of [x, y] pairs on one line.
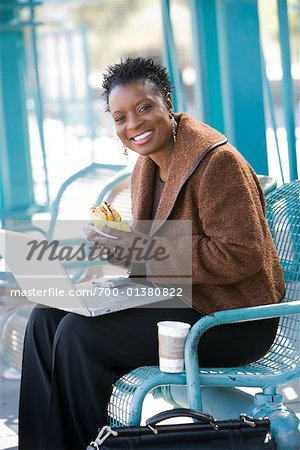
[[235, 65]]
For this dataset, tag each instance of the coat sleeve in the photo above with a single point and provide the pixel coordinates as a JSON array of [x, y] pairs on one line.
[[231, 209]]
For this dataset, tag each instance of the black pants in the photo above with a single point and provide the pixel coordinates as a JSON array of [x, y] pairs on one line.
[[70, 363]]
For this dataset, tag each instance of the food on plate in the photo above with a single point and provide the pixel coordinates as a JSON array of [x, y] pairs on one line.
[[105, 215]]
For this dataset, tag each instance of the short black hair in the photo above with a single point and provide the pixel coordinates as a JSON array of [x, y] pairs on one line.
[[131, 70]]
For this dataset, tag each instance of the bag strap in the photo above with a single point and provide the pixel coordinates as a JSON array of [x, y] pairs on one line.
[[181, 412], [102, 436]]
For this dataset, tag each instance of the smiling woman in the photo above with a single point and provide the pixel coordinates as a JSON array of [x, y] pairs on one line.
[[144, 121], [186, 171], [142, 110]]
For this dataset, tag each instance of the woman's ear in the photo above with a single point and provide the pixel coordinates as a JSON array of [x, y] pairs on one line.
[[169, 104]]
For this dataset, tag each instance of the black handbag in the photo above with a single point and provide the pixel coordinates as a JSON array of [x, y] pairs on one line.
[[207, 434]]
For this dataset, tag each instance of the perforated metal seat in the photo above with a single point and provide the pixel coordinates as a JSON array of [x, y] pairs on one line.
[[279, 366]]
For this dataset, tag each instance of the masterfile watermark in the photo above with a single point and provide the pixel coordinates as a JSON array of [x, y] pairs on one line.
[[164, 256], [53, 292], [129, 291], [139, 250], [69, 267]]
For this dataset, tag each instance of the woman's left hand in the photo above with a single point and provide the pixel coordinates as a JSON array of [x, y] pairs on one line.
[[127, 246]]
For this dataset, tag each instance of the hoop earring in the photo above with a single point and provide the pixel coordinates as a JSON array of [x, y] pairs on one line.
[[174, 129], [125, 152]]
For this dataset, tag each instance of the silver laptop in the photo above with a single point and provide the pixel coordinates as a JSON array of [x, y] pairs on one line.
[[46, 282]]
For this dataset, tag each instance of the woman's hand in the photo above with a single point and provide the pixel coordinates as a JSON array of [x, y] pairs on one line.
[[123, 248]]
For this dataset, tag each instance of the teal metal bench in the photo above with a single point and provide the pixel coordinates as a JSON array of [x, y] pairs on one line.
[[268, 183], [279, 366], [13, 320], [92, 183], [87, 182], [95, 179]]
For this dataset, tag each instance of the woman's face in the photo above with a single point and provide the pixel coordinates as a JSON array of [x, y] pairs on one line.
[[143, 120]]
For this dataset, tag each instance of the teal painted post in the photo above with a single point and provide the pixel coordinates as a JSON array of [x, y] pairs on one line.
[[287, 87], [15, 169], [270, 102], [3, 151], [89, 100], [171, 59], [241, 80], [39, 104], [206, 63]]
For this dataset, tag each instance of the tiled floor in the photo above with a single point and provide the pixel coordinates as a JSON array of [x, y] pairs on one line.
[[8, 412]]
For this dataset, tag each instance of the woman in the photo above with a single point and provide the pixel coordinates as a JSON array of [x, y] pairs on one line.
[[186, 171]]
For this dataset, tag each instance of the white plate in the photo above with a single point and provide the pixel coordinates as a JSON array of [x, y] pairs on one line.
[[102, 233]]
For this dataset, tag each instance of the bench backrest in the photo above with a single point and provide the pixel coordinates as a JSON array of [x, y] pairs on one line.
[[283, 215]]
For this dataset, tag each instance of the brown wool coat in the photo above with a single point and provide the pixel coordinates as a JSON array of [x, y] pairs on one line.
[[234, 261]]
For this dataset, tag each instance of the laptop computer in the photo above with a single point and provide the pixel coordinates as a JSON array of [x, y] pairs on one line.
[[46, 282]]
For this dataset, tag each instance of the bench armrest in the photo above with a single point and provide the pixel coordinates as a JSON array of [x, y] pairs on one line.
[[220, 318]]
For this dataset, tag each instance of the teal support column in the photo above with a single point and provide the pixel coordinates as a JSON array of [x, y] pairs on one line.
[[206, 63], [241, 80], [16, 184], [287, 87], [271, 105], [3, 147], [171, 58], [38, 102]]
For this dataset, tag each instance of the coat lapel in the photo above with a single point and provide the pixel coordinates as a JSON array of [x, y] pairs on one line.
[[194, 140]]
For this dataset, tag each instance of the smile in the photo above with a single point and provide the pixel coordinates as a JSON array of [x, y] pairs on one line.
[[143, 137]]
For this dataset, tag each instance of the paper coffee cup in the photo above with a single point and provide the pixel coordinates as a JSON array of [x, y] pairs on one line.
[[171, 340]]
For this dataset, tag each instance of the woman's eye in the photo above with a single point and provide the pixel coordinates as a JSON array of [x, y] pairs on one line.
[[144, 108], [119, 119]]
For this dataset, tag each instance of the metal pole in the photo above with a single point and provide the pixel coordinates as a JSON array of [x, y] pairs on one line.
[[241, 79], [287, 87], [270, 101], [171, 59], [39, 106], [206, 62], [16, 172]]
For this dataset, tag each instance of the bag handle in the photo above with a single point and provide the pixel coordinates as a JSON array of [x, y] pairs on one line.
[[181, 412]]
